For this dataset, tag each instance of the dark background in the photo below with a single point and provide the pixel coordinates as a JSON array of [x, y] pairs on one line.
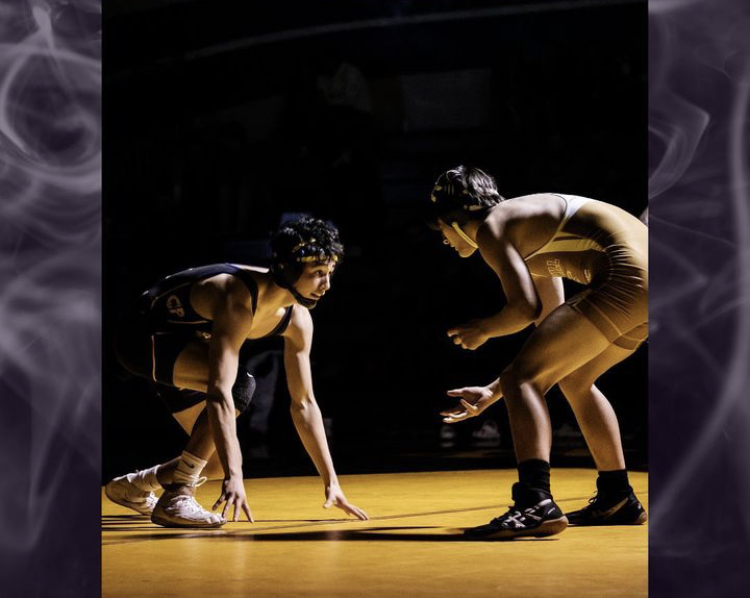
[[213, 132], [51, 277]]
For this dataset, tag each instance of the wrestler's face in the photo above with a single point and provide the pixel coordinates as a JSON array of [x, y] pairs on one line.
[[452, 238], [315, 280]]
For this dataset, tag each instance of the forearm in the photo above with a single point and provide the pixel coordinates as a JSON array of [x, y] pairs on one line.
[[220, 409], [309, 423], [507, 321], [497, 393]]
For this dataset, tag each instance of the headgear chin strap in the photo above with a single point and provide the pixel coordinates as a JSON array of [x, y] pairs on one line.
[[463, 235], [280, 278], [286, 270]]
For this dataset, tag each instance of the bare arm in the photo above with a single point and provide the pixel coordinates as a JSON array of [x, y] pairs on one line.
[[232, 321], [524, 305], [473, 400], [305, 411], [552, 295]]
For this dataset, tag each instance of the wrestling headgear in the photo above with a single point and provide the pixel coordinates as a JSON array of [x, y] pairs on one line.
[[300, 242], [457, 194], [463, 189]]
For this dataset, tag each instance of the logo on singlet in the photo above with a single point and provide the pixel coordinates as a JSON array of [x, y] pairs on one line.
[[555, 269], [174, 307]]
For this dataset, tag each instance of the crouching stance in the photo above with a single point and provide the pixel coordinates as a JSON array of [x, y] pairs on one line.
[[188, 332], [531, 243]]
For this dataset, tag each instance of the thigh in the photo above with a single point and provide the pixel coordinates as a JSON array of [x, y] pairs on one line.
[[585, 376], [563, 342], [634, 338], [191, 367], [618, 305], [187, 417], [191, 372]]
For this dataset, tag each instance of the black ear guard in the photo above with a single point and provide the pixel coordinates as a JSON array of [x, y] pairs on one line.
[[286, 269]]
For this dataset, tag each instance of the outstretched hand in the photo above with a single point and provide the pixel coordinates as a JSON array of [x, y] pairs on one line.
[[470, 335], [335, 497], [474, 400], [233, 495]]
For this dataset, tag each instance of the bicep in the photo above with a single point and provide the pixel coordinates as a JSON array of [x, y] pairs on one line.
[[514, 275], [298, 373], [230, 329], [297, 345]]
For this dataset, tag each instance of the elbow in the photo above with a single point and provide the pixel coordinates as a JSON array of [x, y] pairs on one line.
[[537, 311], [531, 310], [218, 398], [302, 406]]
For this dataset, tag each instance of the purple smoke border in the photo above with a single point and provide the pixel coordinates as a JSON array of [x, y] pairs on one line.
[[50, 197], [699, 86], [50, 300]]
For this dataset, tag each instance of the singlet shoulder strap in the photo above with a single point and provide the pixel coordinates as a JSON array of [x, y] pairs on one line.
[[557, 230], [284, 323], [572, 203], [247, 277]]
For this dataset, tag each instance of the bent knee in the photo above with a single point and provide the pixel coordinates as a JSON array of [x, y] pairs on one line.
[[514, 379], [574, 386]]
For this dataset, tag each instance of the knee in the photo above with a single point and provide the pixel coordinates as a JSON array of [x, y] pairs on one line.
[[517, 377], [513, 380], [575, 385]]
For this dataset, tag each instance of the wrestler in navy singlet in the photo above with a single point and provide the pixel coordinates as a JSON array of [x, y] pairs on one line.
[[162, 322]]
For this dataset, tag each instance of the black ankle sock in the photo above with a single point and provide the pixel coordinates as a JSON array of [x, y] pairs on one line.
[[613, 484], [534, 474]]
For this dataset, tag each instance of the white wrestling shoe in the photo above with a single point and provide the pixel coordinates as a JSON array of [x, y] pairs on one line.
[[123, 492], [182, 510]]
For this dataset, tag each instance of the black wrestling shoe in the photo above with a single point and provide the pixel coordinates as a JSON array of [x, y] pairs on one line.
[[538, 520], [626, 511]]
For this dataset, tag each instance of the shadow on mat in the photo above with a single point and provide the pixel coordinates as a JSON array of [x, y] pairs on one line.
[[390, 534], [113, 523]]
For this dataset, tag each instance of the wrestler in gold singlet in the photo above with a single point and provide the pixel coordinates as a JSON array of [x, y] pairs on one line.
[[532, 243], [605, 248]]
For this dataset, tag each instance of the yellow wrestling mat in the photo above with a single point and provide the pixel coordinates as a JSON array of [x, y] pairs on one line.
[[411, 547]]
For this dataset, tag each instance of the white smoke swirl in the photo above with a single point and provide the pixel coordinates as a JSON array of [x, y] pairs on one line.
[[50, 304], [699, 54]]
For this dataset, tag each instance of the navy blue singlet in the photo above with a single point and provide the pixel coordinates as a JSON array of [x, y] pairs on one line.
[[167, 304]]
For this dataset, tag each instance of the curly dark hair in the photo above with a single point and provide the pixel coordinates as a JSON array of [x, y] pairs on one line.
[[461, 192], [306, 240]]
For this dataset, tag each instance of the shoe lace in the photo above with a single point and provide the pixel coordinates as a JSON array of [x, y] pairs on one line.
[[598, 502], [151, 500], [196, 482], [515, 515], [593, 503], [189, 504]]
